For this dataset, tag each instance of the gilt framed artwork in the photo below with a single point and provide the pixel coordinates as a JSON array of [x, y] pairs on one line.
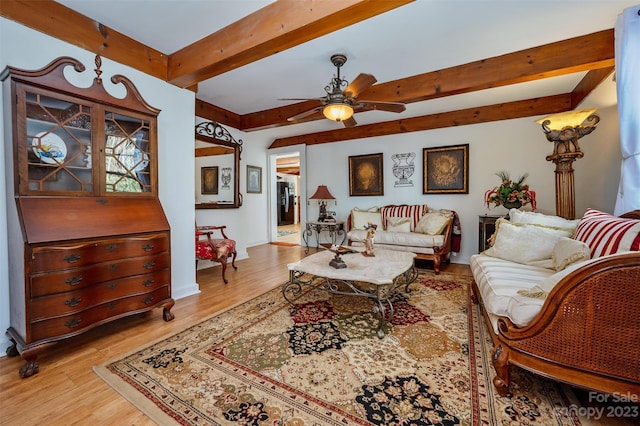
[[254, 180], [209, 180], [365, 175], [446, 170]]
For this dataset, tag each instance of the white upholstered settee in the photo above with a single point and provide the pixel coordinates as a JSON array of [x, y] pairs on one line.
[[415, 228], [562, 299]]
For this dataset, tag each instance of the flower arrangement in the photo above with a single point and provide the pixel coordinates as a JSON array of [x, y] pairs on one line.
[[511, 193]]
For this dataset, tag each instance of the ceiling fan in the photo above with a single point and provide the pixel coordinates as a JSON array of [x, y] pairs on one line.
[[339, 104]]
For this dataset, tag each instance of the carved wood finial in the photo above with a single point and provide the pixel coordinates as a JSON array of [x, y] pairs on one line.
[[98, 71]]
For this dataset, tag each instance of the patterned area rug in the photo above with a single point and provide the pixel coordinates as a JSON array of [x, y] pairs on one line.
[[286, 232], [258, 364]]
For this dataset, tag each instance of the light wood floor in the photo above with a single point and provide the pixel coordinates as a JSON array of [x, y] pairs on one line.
[[67, 391], [294, 237]]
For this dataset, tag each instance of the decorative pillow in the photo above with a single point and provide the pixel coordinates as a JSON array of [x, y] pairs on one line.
[[607, 234], [399, 224], [524, 243], [361, 218], [414, 211], [519, 216], [370, 209], [432, 223], [568, 251]]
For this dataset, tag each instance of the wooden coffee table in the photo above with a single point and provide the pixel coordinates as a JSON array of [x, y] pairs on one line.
[[375, 277]]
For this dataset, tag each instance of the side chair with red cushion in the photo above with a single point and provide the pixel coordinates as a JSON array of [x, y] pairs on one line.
[[215, 249]]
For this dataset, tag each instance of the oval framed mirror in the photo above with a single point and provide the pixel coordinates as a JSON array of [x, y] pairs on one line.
[[217, 157]]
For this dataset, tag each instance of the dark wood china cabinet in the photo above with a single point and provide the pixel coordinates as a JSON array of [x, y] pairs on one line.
[[88, 239]]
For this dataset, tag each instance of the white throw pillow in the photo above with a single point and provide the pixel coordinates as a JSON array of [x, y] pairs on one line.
[[432, 223], [524, 243], [399, 224], [361, 218], [568, 251], [370, 209], [520, 216]]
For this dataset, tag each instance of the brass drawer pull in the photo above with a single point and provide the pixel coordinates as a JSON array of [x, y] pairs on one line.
[[148, 300], [111, 247], [112, 286], [73, 302], [73, 323], [112, 304], [149, 265], [113, 267], [72, 258], [148, 247], [148, 283], [74, 280]]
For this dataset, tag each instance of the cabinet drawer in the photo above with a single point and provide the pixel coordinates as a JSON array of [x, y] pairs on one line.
[[82, 299], [73, 279], [75, 323], [67, 256]]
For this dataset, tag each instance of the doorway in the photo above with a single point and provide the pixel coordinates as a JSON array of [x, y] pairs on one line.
[[288, 199], [287, 209]]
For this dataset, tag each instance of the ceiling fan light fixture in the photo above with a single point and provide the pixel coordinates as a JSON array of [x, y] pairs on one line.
[[338, 112]]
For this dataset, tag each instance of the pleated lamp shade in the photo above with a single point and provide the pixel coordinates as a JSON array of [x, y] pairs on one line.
[[322, 193]]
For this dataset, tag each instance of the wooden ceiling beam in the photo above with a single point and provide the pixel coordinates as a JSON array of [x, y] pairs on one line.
[[56, 20], [589, 52], [272, 29], [584, 53], [220, 115], [588, 83], [504, 111], [214, 150]]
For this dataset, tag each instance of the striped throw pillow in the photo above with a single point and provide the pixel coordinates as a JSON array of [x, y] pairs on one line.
[[607, 234], [413, 211]]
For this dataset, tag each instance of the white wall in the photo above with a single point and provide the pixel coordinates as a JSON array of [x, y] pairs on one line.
[[24, 48]]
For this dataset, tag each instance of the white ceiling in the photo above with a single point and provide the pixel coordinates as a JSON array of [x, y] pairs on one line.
[[423, 36]]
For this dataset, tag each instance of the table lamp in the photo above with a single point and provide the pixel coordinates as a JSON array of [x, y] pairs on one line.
[[322, 194]]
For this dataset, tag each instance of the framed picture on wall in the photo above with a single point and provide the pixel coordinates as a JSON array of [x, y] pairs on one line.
[[254, 180], [446, 170], [365, 175], [209, 180]]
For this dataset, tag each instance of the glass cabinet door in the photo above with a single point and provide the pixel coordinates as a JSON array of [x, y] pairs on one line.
[[127, 153], [57, 149]]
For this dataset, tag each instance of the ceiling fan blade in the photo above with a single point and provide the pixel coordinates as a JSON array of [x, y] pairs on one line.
[[359, 84], [301, 99], [350, 122], [382, 106], [305, 114]]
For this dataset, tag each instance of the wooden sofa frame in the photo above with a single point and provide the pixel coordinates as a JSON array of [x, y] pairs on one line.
[[440, 253], [587, 333]]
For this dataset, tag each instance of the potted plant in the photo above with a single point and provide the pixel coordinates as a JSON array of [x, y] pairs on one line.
[[511, 193]]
